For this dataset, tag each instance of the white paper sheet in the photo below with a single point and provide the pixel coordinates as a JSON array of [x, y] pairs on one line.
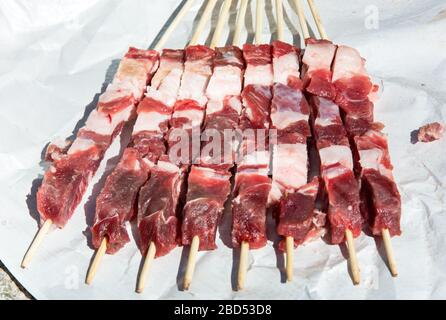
[[54, 57]]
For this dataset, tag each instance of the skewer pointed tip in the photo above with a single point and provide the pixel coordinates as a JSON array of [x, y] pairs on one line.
[[354, 268], [389, 252], [96, 261], [148, 259], [41, 233], [190, 267], [289, 241], [244, 250]]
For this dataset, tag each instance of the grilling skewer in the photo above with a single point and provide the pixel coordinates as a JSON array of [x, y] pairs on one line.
[[74, 163], [188, 210], [385, 231], [244, 245], [100, 252], [152, 251], [348, 233], [289, 240]]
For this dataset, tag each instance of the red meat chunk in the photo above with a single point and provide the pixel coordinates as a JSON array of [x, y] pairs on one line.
[[296, 212], [64, 184], [158, 203], [344, 203], [430, 132], [249, 209], [115, 204], [207, 192], [384, 202]]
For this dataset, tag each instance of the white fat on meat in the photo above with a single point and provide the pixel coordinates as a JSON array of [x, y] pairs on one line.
[[80, 144], [260, 75], [371, 159], [150, 121], [193, 86], [282, 119], [116, 91], [260, 159], [336, 154], [167, 66], [168, 88], [167, 99], [328, 113], [285, 66], [217, 105], [348, 63], [136, 70], [334, 172], [211, 173], [104, 124], [194, 116], [319, 56], [225, 81], [290, 169], [167, 166]]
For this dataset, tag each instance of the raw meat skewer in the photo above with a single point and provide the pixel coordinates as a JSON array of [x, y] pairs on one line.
[[253, 185], [132, 168], [207, 188], [289, 240], [152, 250], [348, 233], [73, 166], [387, 211]]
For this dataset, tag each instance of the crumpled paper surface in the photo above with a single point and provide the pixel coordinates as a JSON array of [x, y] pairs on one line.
[[54, 58]]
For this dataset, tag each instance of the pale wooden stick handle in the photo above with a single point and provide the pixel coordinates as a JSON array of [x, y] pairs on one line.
[[191, 262], [43, 230], [174, 24], [389, 252], [148, 259], [239, 22], [243, 265], [317, 19], [279, 18], [220, 23], [202, 23], [96, 261], [352, 257], [302, 20], [259, 21], [289, 258]]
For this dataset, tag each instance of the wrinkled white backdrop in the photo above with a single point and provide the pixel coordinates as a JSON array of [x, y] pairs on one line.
[[54, 57]]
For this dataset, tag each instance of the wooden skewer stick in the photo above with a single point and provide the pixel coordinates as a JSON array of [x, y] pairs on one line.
[[317, 19], [289, 241], [289, 257], [244, 247], [243, 265], [353, 261], [385, 232], [389, 252], [43, 230], [259, 21], [302, 20], [239, 22], [190, 268], [354, 268], [151, 252], [146, 267], [96, 261], [202, 23], [220, 23], [279, 18], [174, 24]]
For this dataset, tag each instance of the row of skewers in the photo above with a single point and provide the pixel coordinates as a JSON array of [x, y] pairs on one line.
[[322, 99]]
